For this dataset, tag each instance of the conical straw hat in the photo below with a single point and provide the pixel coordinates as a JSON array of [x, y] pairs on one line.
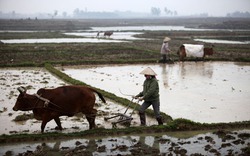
[[148, 71], [166, 39]]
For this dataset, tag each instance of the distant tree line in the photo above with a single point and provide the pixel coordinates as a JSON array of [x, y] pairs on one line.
[[77, 13], [157, 11], [238, 14]]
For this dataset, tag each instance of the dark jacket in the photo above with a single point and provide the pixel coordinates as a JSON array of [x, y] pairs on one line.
[[150, 90]]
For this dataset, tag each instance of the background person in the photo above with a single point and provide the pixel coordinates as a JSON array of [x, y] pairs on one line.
[[150, 95], [165, 51]]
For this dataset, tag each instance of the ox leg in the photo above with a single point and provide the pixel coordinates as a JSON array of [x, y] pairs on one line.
[[91, 118], [44, 122], [58, 122]]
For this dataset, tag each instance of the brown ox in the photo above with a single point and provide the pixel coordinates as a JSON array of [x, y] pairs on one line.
[[50, 104], [182, 52], [108, 33]]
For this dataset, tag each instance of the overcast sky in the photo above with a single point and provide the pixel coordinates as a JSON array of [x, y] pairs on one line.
[[183, 7]]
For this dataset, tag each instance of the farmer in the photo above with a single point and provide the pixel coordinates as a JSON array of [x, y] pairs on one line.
[[150, 95], [165, 51]]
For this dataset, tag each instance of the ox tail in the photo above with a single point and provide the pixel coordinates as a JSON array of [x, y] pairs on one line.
[[99, 94]]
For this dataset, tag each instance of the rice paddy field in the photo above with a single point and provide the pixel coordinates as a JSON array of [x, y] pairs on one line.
[[28, 45]]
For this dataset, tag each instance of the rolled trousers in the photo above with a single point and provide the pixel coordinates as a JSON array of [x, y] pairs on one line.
[[156, 107]]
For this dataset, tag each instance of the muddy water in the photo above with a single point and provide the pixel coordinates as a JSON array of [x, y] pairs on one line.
[[115, 35], [90, 38], [205, 143], [209, 92]]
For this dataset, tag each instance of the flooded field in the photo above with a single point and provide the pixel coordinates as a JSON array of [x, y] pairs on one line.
[[90, 37], [115, 35], [120, 34], [210, 92], [202, 142], [34, 79], [172, 78]]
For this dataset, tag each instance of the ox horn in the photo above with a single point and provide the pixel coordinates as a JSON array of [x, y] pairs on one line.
[[21, 89]]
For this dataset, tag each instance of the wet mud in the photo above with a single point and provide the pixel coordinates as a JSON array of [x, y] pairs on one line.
[[171, 143]]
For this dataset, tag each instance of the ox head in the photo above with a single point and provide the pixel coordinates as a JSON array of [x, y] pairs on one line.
[[24, 100]]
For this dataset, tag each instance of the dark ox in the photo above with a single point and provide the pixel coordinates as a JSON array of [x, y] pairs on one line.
[[50, 104], [108, 33], [182, 52]]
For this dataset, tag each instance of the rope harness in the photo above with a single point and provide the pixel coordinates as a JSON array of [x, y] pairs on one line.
[[46, 101]]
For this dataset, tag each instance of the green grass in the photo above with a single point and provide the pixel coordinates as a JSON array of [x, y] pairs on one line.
[[175, 125]]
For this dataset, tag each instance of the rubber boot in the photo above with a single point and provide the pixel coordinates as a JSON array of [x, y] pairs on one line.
[[142, 118], [159, 119], [164, 58]]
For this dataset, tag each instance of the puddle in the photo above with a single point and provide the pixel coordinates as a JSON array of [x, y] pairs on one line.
[[115, 35], [222, 41], [91, 38], [209, 92], [35, 78], [204, 143]]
